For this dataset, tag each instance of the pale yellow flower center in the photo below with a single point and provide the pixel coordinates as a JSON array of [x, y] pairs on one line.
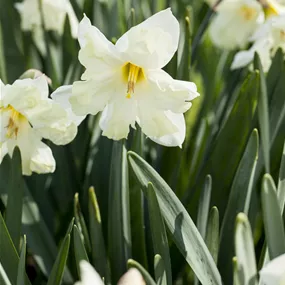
[[132, 74], [248, 13], [14, 122], [271, 9]]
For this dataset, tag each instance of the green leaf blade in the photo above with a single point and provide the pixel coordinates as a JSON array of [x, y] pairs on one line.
[[159, 237], [182, 228], [273, 224]]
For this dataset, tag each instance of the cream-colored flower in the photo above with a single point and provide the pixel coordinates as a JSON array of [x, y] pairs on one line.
[[266, 40], [26, 116], [126, 81], [235, 22], [54, 14], [89, 276], [274, 272]]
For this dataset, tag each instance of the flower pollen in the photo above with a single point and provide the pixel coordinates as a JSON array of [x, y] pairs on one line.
[[132, 74]]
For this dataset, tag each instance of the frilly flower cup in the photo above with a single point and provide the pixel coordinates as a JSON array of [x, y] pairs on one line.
[[26, 116], [89, 276], [126, 81]]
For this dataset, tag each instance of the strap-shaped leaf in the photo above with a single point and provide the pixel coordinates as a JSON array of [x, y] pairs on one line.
[[13, 216], [9, 257], [79, 249], [213, 233], [159, 237], [273, 224], [57, 272], [21, 276], [178, 221], [119, 213], [245, 251], [240, 190]]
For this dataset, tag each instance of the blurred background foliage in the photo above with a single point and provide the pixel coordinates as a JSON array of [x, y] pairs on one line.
[[235, 134]]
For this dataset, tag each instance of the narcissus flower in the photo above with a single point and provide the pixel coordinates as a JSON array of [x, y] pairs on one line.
[[89, 276], [274, 272], [126, 81], [235, 22], [26, 116], [54, 14], [267, 39]]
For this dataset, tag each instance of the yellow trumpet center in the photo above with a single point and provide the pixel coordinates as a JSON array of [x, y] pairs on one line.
[[15, 119], [248, 13], [132, 74]]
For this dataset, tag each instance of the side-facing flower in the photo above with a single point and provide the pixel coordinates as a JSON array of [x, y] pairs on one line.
[[54, 14], [126, 81], [89, 276], [26, 116], [235, 22], [266, 40], [274, 272]]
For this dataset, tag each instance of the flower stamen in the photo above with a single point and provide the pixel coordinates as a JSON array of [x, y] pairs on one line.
[[13, 123], [132, 74]]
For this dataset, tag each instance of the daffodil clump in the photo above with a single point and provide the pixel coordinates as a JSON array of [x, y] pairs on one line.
[[131, 150], [259, 25]]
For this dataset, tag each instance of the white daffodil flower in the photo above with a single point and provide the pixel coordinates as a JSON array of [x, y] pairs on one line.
[[89, 276], [26, 116], [235, 22], [266, 40], [126, 81], [54, 13], [274, 272]]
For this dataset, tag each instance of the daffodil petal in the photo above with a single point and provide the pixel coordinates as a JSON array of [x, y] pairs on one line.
[[88, 275], [89, 97], [3, 150], [177, 138], [132, 277], [155, 123], [117, 118], [35, 155], [152, 43], [25, 94], [262, 47], [42, 160], [274, 272], [168, 94], [97, 54], [62, 96]]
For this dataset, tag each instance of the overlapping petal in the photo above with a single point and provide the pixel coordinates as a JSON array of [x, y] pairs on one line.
[[117, 118], [36, 156], [176, 138], [97, 54], [166, 93], [152, 43], [88, 274]]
